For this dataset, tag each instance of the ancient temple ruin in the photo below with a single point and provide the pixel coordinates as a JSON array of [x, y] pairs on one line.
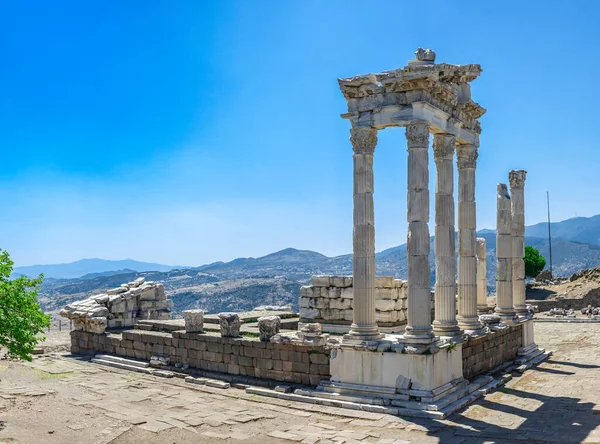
[[400, 348]]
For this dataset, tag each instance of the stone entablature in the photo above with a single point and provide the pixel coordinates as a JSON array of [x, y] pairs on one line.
[[439, 94], [330, 300]]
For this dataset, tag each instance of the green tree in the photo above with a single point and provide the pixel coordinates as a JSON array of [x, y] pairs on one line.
[[22, 322], [534, 262]]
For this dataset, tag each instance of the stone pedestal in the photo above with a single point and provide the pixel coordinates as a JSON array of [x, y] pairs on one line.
[[504, 299], [418, 325], [396, 371], [268, 326], [517, 192], [230, 325], [194, 321], [445, 323], [468, 320]]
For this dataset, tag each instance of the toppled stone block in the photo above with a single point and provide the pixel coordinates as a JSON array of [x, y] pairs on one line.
[[268, 326], [273, 308], [159, 361], [194, 321], [119, 307], [490, 319], [230, 325]]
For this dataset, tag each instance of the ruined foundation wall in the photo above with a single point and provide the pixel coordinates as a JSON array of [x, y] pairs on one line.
[[299, 364], [329, 300], [481, 355]]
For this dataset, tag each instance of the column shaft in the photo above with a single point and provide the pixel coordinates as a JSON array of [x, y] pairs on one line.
[[517, 192], [504, 247], [482, 306], [444, 323], [467, 224], [418, 326], [364, 326]]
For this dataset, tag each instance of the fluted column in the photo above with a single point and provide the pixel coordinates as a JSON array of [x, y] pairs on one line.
[[418, 324], [504, 299], [517, 193], [468, 319], [444, 323], [482, 306], [364, 326]]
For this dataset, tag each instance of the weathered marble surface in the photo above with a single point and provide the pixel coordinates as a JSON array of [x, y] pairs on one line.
[[194, 321], [268, 326], [230, 325]]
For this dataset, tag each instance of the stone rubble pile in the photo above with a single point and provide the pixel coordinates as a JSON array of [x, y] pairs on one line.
[[120, 307]]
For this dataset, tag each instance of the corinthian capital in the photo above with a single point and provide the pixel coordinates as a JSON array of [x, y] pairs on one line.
[[466, 156], [363, 139], [517, 178], [443, 146], [418, 135]]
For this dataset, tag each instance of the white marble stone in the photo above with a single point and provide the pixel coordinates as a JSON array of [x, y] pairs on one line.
[[444, 323], [517, 184], [194, 321], [504, 284], [425, 372], [482, 306]]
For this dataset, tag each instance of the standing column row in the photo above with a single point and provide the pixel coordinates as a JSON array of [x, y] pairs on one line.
[[418, 326], [517, 193], [364, 326], [468, 319], [445, 323], [504, 254]]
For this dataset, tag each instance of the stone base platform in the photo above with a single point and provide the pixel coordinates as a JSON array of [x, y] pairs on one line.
[[463, 393]]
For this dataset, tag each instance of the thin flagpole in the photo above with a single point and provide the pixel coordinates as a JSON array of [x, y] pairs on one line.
[[549, 236]]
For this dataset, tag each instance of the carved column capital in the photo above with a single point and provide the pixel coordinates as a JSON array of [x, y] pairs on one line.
[[417, 135], [466, 156], [363, 139], [443, 146], [517, 178]]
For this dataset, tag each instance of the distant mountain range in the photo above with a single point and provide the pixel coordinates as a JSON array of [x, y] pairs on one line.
[[274, 279], [90, 267]]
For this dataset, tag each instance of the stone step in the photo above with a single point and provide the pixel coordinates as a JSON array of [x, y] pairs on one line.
[[125, 364], [530, 356], [121, 360], [208, 382], [535, 361], [122, 366], [471, 397], [438, 410]]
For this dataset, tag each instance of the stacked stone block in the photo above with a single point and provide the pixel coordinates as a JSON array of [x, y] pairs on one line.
[[120, 307], [330, 300], [293, 363], [484, 353]]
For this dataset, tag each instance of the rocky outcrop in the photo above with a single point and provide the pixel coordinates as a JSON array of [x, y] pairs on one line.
[[120, 307]]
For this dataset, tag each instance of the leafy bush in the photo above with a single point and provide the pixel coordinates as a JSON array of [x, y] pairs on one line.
[[534, 262], [21, 319]]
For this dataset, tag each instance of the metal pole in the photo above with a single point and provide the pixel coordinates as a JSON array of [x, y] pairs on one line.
[[549, 236]]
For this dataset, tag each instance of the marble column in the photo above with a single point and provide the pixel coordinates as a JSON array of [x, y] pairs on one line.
[[468, 320], [504, 299], [482, 307], [444, 323], [418, 324], [517, 193], [364, 326]]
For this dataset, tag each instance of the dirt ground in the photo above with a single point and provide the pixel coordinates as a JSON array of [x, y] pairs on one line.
[[59, 398]]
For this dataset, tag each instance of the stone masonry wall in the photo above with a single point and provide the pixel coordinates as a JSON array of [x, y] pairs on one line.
[[483, 354], [329, 300], [299, 364]]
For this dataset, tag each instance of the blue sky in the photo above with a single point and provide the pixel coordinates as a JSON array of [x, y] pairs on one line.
[[190, 132]]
